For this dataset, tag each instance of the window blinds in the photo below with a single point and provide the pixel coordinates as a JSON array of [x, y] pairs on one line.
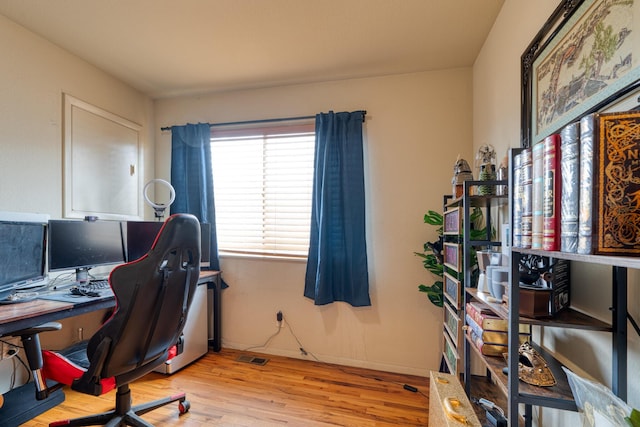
[[263, 183]]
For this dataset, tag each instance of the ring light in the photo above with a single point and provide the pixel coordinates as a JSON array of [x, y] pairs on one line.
[[159, 208]]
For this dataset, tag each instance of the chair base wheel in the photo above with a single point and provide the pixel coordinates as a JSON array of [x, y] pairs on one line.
[[184, 407]]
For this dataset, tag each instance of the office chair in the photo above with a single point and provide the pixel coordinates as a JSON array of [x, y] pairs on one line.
[[153, 295]]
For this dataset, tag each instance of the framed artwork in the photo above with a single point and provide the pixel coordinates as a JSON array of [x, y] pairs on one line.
[[450, 354], [452, 254], [452, 324], [584, 58], [101, 163], [452, 222], [453, 290]]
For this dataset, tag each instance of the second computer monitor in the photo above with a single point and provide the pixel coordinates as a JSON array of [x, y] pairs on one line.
[[140, 236]]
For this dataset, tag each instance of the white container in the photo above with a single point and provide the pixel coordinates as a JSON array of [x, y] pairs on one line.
[[499, 280]]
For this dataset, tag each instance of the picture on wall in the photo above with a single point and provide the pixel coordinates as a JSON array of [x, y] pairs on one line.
[[577, 66], [101, 163]]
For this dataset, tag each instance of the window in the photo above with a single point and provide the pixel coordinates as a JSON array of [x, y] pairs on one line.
[[262, 180]]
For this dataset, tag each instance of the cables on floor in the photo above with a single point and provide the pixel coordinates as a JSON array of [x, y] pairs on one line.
[[282, 323]]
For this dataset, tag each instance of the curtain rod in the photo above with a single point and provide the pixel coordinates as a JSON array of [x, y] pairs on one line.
[[251, 122]]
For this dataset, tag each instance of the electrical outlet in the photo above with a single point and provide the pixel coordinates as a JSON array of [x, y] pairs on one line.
[[7, 350]]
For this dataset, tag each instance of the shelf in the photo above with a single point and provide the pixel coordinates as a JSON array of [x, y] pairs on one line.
[[480, 201], [559, 396], [498, 308], [568, 318], [485, 243], [483, 386], [493, 200], [495, 365], [454, 238], [611, 261], [572, 319]]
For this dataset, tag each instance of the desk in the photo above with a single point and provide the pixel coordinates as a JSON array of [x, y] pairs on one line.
[[20, 404], [14, 317]]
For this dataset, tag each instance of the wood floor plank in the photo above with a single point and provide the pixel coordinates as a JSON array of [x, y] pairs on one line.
[[284, 392]]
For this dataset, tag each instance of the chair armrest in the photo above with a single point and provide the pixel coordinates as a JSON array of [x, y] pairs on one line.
[[31, 342], [34, 330]]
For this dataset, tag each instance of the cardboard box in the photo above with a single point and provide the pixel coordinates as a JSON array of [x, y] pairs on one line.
[[534, 302], [553, 288]]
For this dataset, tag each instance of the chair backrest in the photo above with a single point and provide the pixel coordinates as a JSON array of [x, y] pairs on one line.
[[153, 295]]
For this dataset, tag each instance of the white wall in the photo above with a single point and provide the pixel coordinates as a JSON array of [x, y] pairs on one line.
[[496, 100], [33, 75], [416, 125]]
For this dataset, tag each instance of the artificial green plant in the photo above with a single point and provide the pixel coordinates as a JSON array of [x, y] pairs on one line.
[[633, 419], [432, 261], [431, 254]]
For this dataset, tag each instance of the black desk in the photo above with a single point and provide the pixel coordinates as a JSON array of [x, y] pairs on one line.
[[20, 404], [14, 317]]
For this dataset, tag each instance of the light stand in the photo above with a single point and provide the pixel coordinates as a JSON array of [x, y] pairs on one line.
[[159, 208]]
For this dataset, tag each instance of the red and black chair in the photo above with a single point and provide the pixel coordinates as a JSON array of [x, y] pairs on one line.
[[153, 295]]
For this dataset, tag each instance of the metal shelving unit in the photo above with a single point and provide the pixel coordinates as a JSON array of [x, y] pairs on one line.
[[469, 200], [560, 396], [557, 396]]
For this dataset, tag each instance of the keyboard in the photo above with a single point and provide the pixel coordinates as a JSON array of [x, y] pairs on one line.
[[94, 288], [96, 285]]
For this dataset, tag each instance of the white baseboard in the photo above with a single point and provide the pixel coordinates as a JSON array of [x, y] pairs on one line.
[[344, 361]]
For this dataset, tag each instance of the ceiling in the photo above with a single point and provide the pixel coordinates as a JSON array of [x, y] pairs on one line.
[[169, 48]]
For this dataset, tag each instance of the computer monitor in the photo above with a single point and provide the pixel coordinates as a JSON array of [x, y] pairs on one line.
[[140, 235], [82, 245], [23, 246]]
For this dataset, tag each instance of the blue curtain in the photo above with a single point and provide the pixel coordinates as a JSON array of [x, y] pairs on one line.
[[337, 262], [192, 178]]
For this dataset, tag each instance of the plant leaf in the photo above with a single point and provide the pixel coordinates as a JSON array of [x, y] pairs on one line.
[[634, 418], [430, 261], [434, 293], [433, 218]]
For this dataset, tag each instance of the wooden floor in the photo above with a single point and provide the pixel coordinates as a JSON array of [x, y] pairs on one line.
[[284, 392]]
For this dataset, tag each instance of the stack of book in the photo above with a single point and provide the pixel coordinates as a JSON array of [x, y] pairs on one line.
[[578, 190], [488, 332]]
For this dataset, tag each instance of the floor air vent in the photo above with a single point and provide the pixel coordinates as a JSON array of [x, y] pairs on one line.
[[253, 360]]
